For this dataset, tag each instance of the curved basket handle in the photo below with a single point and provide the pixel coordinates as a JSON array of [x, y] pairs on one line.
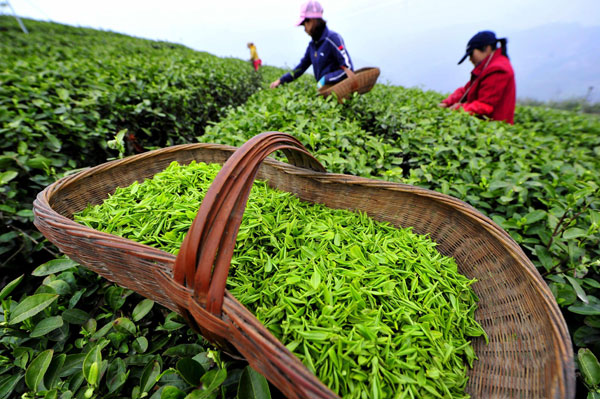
[[354, 79], [205, 255]]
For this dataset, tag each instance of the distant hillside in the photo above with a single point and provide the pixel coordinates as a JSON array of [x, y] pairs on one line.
[[566, 64]]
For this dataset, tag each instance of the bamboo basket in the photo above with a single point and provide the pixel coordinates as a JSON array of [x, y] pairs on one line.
[[362, 82], [529, 354]]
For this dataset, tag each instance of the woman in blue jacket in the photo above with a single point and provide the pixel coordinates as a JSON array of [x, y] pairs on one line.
[[326, 51]]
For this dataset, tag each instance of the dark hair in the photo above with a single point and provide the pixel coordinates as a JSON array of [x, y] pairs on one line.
[[494, 46], [503, 42], [320, 21], [319, 27]]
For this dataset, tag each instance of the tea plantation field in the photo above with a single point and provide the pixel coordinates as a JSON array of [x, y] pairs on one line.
[[73, 97]]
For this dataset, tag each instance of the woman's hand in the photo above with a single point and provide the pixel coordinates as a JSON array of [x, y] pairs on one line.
[[456, 106], [443, 105], [275, 84]]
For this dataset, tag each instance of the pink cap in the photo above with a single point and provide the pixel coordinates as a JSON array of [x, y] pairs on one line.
[[310, 9]]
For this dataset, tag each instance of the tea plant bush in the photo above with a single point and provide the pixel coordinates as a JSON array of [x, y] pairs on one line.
[[79, 336], [536, 179], [66, 92], [340, 143]]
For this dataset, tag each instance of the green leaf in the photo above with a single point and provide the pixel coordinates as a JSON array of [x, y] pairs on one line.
[[592, 321], [54, 370], [595, 217], [31, 306], [589, 366], [26, 213], [5, 177], [75, 316], [73, 363], [183, 350], [38, 162], [190, 370], [356, 252], [60, 334], [116, 375], [90, 372], [150, 376], [124, 325], [103, 331], [171, 392], [37, 369], [171, 323], [92, 376], [534, 216], [293, 280], [253, 385], [54, 266], [116, 296], [59, 286], [544, 256], [140, 345], [578, 290], [63, 94], [90, 325], [585, 309], [142, 309], [591, 282], [53, 394], [46, 325], [21, 356], [7, 384], [574, 232], [10, 287], [117, 339], [315, 279], [564, 293], [213, 379], [8, 237], [205, 361], [496, 184], [201, 394]]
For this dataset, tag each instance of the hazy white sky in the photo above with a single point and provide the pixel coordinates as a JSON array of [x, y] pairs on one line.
[[371, 29]]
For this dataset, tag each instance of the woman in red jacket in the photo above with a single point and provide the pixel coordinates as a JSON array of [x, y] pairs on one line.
[[491, 91]]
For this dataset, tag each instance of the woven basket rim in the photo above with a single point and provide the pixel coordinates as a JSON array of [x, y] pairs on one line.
[[558, 323], [364, 78], [464, 208]]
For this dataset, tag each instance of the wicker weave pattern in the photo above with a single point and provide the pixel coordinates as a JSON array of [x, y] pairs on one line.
[[362, 82], [529, 354]]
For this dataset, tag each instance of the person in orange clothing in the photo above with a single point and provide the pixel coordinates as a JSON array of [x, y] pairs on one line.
[[256, 61], [491, 92]]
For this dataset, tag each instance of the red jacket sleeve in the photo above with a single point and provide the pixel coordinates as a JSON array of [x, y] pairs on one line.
[[478, 107], [490, 93], [455, 97]]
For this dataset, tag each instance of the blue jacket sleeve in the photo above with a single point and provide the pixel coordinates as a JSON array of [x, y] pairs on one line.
[[341, 56], [334, 77], [305, 62]]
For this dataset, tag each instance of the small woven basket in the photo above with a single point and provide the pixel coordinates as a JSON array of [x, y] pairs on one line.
[[529, 354], [363, 81]]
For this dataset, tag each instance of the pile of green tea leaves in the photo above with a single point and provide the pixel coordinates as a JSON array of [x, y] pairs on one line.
[[373, 310]]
